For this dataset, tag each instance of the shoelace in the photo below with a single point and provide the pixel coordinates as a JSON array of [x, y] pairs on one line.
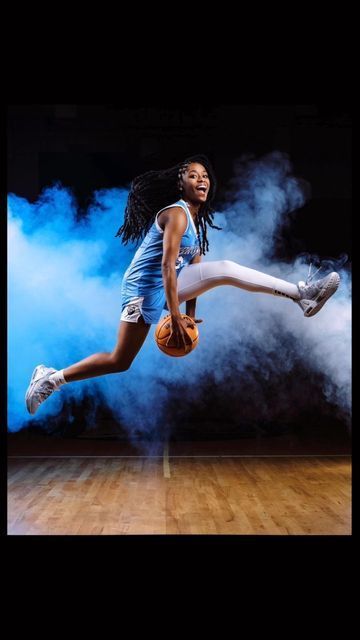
[[309, 276], [46, 392]]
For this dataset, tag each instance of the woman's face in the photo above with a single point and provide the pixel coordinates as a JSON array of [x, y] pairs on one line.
[[195, 183]]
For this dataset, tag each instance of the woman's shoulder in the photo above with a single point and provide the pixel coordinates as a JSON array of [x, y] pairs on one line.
[[171, 211]]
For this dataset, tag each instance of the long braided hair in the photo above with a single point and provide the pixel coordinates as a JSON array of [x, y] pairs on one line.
[[153, 190]]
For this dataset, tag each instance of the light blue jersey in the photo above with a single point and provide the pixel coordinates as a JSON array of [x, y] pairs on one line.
[[142, 287]]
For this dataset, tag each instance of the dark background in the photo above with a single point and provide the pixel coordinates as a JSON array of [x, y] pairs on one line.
[[88, 147]]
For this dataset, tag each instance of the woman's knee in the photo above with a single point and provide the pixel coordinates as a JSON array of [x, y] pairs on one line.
[[118, 364], [226, 266]]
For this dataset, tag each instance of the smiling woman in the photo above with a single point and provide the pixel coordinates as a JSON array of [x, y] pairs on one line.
[[170, 211]]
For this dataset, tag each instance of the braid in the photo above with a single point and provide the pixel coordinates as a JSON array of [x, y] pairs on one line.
[[204, 219], [153, 190]]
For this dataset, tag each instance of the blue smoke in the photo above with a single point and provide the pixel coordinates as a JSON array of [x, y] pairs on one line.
[[64, 282]]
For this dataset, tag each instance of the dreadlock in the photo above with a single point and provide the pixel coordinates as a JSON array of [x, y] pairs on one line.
[[153, 190]]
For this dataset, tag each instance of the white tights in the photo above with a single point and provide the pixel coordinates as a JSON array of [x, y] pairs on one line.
[[195, 279]]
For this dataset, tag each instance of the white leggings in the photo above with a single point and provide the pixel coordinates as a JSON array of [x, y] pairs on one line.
[[197, 278]]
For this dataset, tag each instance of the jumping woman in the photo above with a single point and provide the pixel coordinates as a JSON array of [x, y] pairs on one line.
[[171, 210]]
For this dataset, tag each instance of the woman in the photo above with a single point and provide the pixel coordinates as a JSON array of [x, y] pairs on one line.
[[166, 271]]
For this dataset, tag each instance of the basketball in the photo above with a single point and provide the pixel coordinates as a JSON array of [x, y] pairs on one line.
[[162, 334]]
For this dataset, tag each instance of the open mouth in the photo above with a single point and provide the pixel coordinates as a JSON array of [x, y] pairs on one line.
[[202, 188]]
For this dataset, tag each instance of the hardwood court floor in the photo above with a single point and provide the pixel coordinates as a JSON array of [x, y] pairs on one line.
[[180, 495]]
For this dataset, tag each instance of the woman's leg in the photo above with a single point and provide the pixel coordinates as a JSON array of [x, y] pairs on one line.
[[197, 278], [131, 337], [45, 380]]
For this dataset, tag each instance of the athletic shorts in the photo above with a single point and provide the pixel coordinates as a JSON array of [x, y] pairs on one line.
[[149, 306]]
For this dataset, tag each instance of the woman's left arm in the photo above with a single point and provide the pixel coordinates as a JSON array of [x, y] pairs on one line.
[[191, 304]]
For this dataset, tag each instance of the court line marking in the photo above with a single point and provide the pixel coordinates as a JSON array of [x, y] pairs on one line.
[[166, 465], [259, 455]]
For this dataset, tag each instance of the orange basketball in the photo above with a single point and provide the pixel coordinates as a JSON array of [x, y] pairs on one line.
[[162, 334]]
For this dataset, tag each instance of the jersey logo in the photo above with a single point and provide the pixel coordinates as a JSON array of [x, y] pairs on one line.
[[179, 262], [131, 309], [189, 251]]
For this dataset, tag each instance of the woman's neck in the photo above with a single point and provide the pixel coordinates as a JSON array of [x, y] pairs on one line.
[[193, 208]]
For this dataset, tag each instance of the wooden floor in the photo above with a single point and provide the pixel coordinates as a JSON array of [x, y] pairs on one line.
[[180, 495]]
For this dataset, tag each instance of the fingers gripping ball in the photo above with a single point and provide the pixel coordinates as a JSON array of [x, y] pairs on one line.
[[162, 334]]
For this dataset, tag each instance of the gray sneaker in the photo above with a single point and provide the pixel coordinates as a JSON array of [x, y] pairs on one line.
[[313, 296], [40, 388]]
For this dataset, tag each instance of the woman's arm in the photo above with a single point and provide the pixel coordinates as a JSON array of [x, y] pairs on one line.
[[191, 304], [175, 224]]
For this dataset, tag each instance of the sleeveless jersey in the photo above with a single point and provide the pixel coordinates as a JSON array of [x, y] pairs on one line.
[[143, 277]]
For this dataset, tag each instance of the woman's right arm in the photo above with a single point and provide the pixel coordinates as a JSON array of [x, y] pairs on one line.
[[175, 225]]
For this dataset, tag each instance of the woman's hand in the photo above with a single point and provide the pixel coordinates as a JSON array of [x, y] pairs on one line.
[[179, 336]]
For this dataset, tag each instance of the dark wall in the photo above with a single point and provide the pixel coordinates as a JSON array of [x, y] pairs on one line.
[[87, 147]]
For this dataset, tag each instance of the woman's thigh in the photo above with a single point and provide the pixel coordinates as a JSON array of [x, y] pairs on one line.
[[131, 336]]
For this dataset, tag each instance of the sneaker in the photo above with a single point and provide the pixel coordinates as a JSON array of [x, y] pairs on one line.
[[313, 296], [40, 388]]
